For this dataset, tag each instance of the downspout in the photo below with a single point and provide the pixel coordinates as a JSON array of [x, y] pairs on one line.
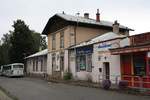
[[75, 34]]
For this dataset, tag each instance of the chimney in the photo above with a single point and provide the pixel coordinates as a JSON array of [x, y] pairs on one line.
[[86, 15], [116, 27], [98, 16], [127, 31]]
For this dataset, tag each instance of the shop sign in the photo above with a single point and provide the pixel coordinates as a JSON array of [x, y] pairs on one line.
[[103, 46], [84, 50]]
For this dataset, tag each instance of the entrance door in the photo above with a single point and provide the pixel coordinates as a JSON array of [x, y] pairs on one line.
[[106, 70]]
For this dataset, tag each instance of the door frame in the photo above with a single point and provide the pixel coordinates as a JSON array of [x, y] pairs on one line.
[[106, 70]]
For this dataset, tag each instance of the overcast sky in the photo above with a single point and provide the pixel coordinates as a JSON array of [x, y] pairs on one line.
[[132, 13]]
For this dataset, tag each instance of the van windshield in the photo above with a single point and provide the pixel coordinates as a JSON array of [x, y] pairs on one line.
[[17, 66]]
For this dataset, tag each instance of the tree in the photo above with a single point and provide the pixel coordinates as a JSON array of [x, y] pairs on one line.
[[22, 42], [19, 43], [4, 49], [39, 41]]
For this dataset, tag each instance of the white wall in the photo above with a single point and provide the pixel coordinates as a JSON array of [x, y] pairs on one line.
[[49, 64], [57, 58], [30, 64], [114, 62], [66, 61], [77, 75], [72, 63], [102, 55]]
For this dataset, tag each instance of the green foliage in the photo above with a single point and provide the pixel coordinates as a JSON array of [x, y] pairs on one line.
[[19, 43], [4, 49], [67, 76], [39, 41], [22, 42]]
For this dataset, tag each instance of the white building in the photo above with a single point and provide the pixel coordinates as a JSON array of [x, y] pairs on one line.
[[92, 60], [36, 64]]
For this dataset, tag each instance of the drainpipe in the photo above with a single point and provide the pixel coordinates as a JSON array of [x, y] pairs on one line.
[[75, 32]]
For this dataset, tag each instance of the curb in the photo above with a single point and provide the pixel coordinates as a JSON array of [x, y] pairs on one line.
[[7, 93]]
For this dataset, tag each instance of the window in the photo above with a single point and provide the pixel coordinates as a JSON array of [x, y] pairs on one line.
[[17, 66], [37, 64], [139, 65], [62, 61], [53, 41], [84, 62], [72, 38], [7, 67], [62, 39], [53, 62], [41, 65], [33, 64]]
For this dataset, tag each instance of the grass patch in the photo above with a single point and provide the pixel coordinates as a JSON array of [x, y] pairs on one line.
[[8, 94]]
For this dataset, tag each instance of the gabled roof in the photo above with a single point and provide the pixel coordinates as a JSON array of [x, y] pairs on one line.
[[101, 38], [87, 21], [41, 53], [81, 20]]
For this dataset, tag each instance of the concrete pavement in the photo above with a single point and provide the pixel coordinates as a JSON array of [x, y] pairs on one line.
[[36, 89]]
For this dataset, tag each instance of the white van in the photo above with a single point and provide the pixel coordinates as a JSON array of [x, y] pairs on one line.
[[1, 70], [15, 69]]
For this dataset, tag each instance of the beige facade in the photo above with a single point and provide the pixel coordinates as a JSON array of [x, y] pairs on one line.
[[74, 34], [84, 34]]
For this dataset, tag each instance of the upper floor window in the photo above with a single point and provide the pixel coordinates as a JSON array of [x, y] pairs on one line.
[[53, 41], [72, 38], [62, 39]]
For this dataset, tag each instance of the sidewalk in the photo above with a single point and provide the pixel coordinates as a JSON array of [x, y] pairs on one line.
[[3, 96], [98, 85]]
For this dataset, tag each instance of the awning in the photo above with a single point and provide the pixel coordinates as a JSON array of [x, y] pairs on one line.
[[130, 49]]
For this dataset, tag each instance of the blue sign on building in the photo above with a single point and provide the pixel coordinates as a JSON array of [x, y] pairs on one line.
[[84, 50]]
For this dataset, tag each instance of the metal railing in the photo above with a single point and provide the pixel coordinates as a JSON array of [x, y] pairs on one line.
[[139, 82]]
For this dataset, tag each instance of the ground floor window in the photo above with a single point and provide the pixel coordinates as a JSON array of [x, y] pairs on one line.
[[41, 65], [81, 62], [36, 64], [139, 63], [62, 62], [134, 64], [54, 62], [33, 65], [84, 62]]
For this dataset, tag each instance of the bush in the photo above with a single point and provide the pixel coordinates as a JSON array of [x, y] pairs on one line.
[[106, 84], [123, 84], [67, 76]]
